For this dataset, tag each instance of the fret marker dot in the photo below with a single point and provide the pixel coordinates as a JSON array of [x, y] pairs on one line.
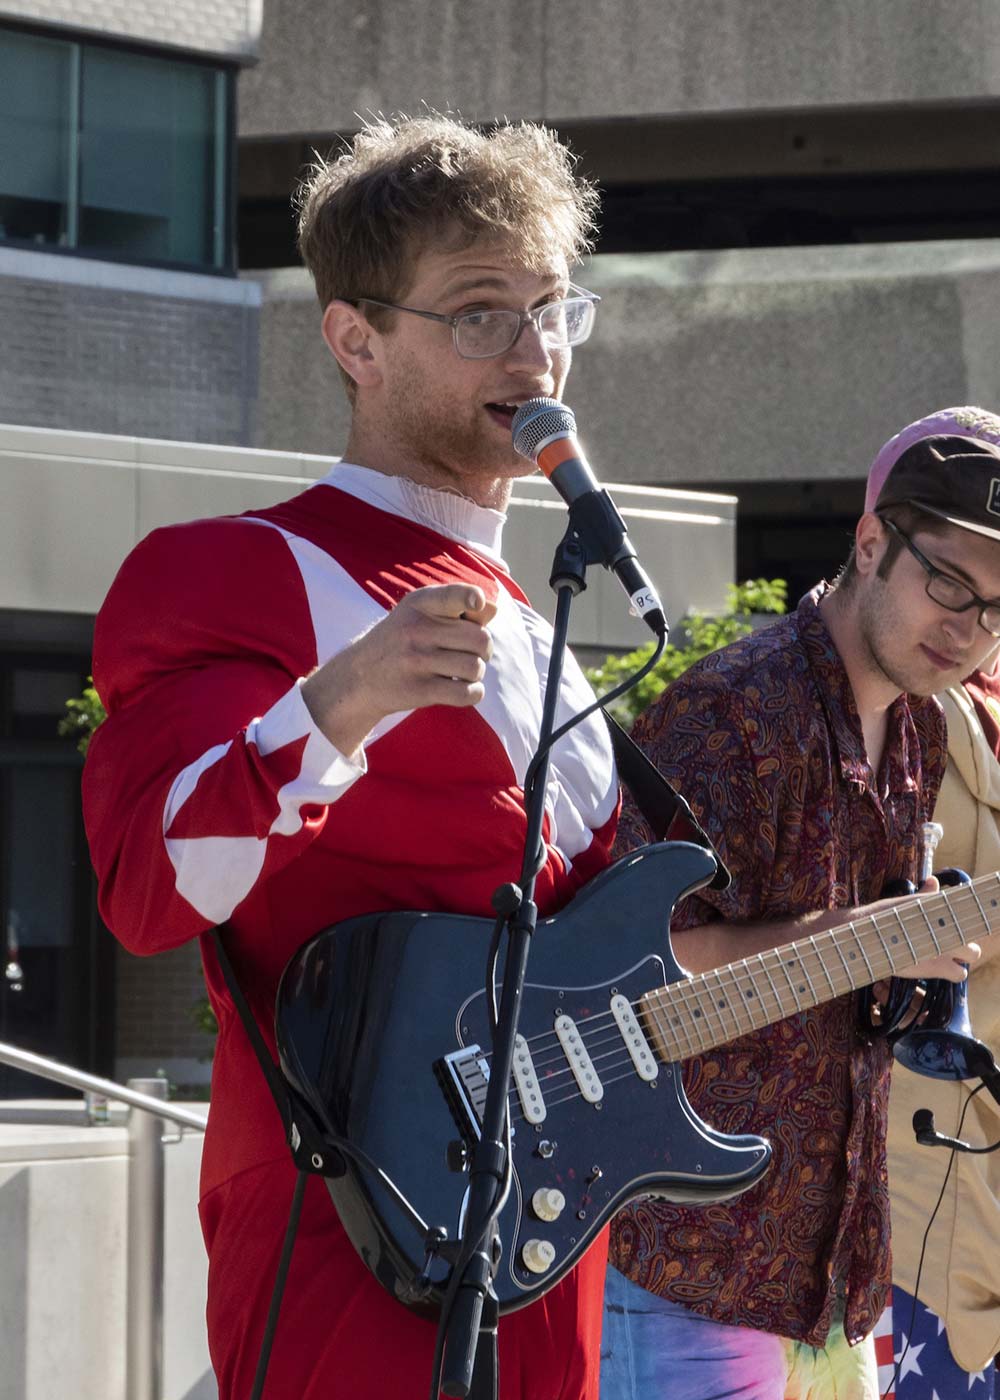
[[940, 923], [748, 994]]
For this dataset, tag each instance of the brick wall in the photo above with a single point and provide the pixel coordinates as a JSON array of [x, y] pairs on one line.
[[154, 354], [227, 28], [153, 1002]]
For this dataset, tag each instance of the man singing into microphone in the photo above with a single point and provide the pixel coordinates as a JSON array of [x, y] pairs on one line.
[[812, 752], [327, 708]]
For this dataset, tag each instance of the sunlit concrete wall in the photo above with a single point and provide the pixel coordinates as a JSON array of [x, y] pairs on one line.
[[745, 365], [78, 502], [324, 61]]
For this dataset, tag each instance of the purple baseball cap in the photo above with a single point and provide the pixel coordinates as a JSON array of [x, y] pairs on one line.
[[947, 463]]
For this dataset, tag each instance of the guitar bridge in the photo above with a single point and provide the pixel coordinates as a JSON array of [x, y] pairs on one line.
[[465, 1076]]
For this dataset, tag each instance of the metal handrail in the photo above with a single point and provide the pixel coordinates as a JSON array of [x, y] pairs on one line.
[[146, 1177], [94, 1084]]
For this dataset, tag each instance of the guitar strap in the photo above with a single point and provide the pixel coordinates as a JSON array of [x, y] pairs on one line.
[[661, 806], [310, 1152]]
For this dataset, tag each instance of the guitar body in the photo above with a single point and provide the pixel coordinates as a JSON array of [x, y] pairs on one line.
[[383, 1030]]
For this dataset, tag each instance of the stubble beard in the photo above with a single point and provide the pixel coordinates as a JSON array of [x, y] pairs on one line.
[[876, 624], [453, 443]]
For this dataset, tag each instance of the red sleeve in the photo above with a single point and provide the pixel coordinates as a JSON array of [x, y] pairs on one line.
[[208, 774]]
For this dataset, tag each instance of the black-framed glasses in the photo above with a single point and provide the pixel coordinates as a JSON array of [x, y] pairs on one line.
[[950, 592], [482, 335]]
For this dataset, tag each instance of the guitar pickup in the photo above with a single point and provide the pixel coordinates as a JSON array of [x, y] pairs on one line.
[[526, 1081], [636, 1043], [580, 1063]]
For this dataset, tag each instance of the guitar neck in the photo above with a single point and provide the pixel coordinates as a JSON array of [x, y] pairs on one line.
[[701, 1012]]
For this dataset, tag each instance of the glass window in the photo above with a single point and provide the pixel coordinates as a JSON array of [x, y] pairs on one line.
[[56, 964], [147, 146], [109, 151], [36, 105]]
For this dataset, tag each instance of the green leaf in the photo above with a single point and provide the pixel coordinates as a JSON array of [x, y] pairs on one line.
[[701, 634], [85, 713]]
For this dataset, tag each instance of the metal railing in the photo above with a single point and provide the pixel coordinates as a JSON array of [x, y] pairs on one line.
[[146, 1141]]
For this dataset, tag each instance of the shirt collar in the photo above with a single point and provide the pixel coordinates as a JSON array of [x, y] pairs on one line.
[[456, 517], [837, 698]]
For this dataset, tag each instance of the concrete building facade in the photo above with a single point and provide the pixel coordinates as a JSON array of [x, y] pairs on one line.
[[801, 232]]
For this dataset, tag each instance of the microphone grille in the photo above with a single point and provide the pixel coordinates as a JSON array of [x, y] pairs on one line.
[[536, 421]]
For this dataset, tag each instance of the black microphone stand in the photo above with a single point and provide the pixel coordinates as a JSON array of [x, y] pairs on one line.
[[470, 1365]]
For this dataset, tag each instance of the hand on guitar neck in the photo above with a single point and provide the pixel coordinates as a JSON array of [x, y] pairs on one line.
[[717, 944]]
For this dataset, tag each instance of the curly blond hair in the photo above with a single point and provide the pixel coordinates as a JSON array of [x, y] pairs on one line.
[[401, 185]]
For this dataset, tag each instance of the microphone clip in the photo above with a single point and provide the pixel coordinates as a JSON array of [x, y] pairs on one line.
[[602, 538], [595, 520], [928, 1136]]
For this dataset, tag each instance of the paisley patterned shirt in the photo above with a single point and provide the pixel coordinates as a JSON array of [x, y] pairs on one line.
[[765, 742]]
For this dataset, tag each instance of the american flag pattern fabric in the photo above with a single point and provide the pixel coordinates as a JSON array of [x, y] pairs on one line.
[[914, 1362]]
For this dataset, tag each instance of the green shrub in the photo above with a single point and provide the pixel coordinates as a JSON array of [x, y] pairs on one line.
[[702, 634], [85, 713]]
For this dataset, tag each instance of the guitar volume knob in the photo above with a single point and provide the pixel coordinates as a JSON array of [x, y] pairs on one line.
[[548, 1203], [538, 1256]]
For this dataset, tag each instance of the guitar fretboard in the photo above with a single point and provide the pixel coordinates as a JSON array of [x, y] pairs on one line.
[[711, 1008]]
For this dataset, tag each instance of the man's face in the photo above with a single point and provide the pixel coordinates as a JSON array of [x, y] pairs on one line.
[[917, 644], [448, 419]]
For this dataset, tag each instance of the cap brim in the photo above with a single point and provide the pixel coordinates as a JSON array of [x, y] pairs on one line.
[[974, 526]]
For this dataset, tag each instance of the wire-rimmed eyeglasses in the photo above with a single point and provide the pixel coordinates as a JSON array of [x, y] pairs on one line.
[[950, 592], [482, 335]]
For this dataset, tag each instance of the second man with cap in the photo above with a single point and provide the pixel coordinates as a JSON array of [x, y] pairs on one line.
[[812, 753]]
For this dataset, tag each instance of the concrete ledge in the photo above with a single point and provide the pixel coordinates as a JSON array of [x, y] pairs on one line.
[[229, 29], [783, 363], [35, 1142], [73, 270], [63, 1286], [58, 556]]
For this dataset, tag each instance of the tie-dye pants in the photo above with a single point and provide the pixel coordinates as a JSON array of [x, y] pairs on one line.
[[654, 1350]]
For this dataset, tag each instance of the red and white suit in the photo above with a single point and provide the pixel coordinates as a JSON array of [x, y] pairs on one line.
[[210, 795]]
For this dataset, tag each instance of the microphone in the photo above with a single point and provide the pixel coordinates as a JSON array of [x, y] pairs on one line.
[[928, 1136], [544, 431]]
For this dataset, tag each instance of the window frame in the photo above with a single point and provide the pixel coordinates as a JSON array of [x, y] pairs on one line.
[[221, 233]]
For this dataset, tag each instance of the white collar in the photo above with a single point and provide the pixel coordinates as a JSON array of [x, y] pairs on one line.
[[459, 518]]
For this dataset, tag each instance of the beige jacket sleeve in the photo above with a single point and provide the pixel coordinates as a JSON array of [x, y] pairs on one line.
[[960, 1279]]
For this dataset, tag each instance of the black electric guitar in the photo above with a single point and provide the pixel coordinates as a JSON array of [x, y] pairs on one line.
[[382, 1024]]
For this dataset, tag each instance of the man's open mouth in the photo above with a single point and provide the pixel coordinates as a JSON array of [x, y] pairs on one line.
[[502, 412]]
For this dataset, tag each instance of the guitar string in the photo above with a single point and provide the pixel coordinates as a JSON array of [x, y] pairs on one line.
[[684, 995], [688, 999], [594, 1040], [624, 1060]]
